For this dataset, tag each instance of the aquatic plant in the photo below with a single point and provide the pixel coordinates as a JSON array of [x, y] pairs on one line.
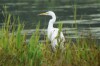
[[15, 51]]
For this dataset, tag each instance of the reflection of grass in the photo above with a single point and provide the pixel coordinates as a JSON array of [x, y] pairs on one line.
[[15, 52]]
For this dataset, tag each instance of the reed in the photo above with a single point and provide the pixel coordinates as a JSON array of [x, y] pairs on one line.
[[14, 51]]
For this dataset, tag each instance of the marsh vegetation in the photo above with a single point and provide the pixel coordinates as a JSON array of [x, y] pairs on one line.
[[81, 27], [14, 51]]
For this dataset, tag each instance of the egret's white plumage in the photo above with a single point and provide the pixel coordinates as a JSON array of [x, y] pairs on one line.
[[53, 32]]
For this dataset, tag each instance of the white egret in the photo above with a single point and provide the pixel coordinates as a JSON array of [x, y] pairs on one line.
[[53, 32]]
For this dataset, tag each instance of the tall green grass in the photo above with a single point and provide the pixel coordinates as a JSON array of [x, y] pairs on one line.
[[82, 53], [14, 51]]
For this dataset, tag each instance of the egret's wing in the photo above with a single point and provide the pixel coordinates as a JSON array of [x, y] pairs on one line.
[[54, 33]]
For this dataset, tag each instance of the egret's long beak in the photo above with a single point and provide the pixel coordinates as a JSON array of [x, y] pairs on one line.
[[43, 14]]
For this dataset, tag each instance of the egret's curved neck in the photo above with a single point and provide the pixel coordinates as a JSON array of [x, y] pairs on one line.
[[52, 21]]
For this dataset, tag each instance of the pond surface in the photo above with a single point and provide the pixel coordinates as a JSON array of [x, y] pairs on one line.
[[87, 15]]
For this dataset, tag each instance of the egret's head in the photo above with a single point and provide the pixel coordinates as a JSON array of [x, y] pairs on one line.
[[50, 13]]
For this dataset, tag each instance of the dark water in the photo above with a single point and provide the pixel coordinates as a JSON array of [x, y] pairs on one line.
[[87, 15]]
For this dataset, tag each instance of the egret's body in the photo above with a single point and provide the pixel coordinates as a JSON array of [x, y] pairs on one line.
[[53, 32]]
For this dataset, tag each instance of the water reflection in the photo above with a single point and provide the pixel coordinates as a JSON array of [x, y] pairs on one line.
[[88, 15]]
